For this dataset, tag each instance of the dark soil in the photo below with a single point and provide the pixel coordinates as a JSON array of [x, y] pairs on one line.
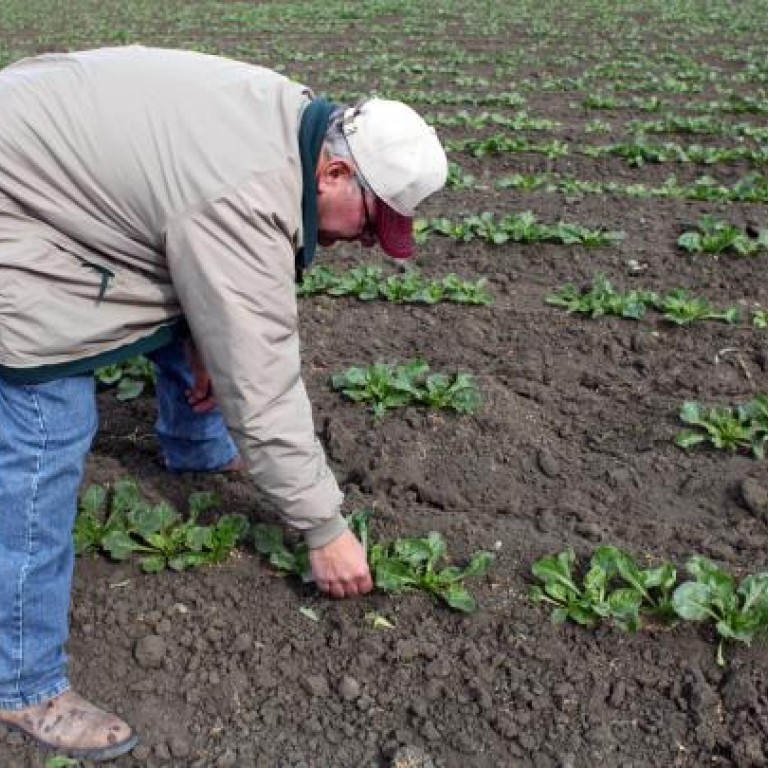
[[573, 446]]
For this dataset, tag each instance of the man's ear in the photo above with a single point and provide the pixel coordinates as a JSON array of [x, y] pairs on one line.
[[334, 171]]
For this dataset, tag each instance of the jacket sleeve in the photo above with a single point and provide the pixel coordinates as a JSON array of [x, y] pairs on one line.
[[232, 266]]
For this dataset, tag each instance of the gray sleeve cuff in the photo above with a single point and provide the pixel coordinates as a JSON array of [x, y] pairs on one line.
[[326, 533]]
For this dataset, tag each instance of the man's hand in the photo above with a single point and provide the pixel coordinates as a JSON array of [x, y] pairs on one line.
[[340, 567], [200, 394]]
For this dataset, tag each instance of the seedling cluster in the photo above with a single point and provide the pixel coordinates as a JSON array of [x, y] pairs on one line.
[[617, 589], [390, 385], [717, 236], [131, 378], [601, 298], [515, 227], [729, 428], [369, 283], [121, 523]]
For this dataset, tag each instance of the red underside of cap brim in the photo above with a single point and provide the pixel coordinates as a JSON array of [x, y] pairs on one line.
[[394, 231]]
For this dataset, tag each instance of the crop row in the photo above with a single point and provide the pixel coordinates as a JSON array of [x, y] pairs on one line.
[[635, 153], [121, 523]]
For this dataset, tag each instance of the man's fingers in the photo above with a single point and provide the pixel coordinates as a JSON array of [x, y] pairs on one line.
[[349, 588]]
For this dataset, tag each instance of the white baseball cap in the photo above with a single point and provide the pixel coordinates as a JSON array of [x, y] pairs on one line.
[[401, 159]]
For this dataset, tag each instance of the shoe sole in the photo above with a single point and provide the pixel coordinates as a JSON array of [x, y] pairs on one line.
[[94, 755]]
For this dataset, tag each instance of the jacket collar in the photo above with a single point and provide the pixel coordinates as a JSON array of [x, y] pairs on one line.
[[314, 123]]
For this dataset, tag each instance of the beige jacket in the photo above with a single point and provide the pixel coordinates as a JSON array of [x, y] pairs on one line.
[[138, 186]]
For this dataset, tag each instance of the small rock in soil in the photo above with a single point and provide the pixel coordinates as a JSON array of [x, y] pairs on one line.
[[547, 463], [546, 521], [149, 651], [754, 496], [227, 760], [411, 757], [349, 688], [141, 753], [162, 752], [316, 685], [243, 642], [591, 531], [179, 747]]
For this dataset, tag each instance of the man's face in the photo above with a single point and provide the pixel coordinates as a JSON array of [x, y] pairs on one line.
[[346, 211]]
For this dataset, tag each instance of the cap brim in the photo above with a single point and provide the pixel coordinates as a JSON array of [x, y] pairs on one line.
[[394, 231]]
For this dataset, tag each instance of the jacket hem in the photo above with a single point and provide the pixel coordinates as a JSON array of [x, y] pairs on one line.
[[85, 365]]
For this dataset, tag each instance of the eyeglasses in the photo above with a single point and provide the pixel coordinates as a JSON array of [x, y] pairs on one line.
[[368, 233]]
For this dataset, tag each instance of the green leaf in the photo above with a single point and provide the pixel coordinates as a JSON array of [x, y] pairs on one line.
[[394, 575], [687, 439], [59, 761], [153, 563], [690, 241], [268, 538], [692, 601], [754, 590], [201, 502], [125, 497], [129, 389], [283, 560], [417, 552], [147, 519], [557, 569], [458, 598], [198, 537], [479, 564], [93, 500], [624, 605], [690, 412], [119, 544]]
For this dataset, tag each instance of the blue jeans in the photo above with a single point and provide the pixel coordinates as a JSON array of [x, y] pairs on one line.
[[45, 435], [189, 441]]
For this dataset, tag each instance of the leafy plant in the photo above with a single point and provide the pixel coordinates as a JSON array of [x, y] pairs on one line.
[[716, 236], [405, 563], [614, 587], [415, 563], [680, 308], [760, 318], [742, 426], [739, 612], [601, 299], [269, 540], [387, 385], [129, 524], [130, 377]]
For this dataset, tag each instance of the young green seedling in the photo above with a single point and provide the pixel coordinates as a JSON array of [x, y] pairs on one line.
[[614, 587], [729, 428], [716, 236], [131, 377], [154, 531], [738, 612], [602, 299], [680, 308], [386, 386]]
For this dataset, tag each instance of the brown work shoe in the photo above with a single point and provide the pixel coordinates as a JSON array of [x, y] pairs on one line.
[[72, 726]]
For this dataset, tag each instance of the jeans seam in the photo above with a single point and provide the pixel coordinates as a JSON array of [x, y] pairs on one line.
[[30, 535]]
